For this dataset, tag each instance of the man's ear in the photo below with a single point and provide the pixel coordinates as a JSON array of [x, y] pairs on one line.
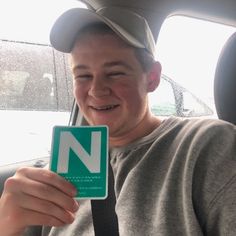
[[154, 76]]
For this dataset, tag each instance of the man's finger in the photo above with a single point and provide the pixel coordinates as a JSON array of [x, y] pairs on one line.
[[48, 177]]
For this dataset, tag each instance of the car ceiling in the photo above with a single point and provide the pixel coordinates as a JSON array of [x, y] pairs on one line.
[[155, 11]]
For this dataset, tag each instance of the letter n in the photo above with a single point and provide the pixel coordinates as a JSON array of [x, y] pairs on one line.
[[91, 161]]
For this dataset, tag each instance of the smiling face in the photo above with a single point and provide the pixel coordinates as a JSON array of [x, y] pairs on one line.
[[110, 86]]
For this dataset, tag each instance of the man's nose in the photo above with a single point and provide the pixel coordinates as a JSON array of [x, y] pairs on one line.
[[99, 87]]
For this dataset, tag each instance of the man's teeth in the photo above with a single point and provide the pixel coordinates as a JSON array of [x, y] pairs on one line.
[[105, 107]]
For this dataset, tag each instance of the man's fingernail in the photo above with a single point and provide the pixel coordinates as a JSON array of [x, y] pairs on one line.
[[76, 205], [73, 192]]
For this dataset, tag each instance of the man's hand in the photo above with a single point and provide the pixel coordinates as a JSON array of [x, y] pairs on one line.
[[35, 196]]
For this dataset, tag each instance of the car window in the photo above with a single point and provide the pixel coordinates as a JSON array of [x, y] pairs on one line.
[[193, 106], [27, 77], [188, 50], [35, 79], [162, 101], [170, 98]]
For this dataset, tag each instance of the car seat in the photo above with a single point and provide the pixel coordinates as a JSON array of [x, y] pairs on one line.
[[225, 82]]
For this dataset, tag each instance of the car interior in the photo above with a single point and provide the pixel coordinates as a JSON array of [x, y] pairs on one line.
[[156, 11]]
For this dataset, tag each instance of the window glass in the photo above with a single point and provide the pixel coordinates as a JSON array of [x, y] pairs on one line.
[[27, 77], [162, 101], [188, 50], [193, 106], [35, 79]]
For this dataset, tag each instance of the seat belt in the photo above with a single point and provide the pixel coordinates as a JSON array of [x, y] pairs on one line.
[[105, 220]]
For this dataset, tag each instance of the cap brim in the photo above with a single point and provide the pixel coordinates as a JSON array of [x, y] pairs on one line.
[[65, 29]]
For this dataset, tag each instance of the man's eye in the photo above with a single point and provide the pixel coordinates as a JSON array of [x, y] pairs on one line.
[[83, 77], [116, 74]]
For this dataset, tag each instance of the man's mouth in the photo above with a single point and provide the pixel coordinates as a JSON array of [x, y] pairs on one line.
[[105, 108]]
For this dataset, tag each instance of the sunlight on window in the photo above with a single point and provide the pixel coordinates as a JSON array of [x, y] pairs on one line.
[[188, 50], [35, 83], [29, 20]]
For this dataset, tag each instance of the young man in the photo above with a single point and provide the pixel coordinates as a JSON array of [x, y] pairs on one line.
[[172, 177]]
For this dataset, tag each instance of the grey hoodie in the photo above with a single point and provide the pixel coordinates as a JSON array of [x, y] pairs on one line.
[[179, 180]]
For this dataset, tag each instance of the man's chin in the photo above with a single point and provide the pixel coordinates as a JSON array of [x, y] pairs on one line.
[[110, 123], [100, 123]]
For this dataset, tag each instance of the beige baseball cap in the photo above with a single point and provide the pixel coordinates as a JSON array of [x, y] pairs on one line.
[[130, 26]]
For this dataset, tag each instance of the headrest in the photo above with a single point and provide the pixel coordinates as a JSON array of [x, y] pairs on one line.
[[225, 82]]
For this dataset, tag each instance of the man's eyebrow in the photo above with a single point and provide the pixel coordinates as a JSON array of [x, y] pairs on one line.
[[118, 63], [107, 64], [79, 67]]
